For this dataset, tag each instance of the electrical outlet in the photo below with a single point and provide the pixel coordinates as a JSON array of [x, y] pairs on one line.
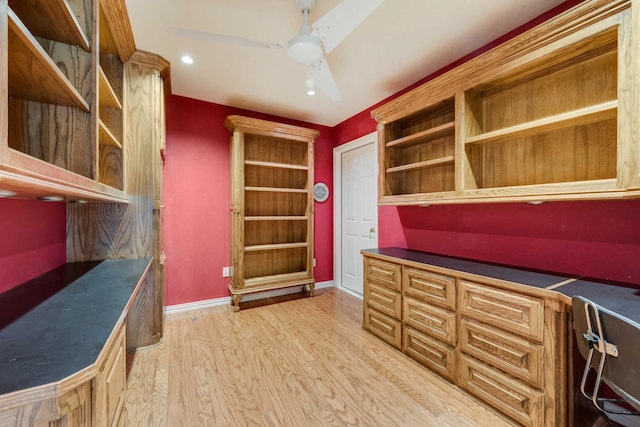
[[314, 262], [227, 271]]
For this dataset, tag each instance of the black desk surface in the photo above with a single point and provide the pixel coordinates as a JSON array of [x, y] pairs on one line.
[[526, 277], [619, 298], [57, 324]]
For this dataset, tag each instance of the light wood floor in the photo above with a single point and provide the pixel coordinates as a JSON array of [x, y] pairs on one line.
[[306, 362]]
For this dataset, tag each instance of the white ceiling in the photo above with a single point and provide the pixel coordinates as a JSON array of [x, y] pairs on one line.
[[401, 42]]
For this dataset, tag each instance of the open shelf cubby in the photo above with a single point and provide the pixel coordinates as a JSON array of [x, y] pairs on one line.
[[551, 121], [50, 88], [420, 151]]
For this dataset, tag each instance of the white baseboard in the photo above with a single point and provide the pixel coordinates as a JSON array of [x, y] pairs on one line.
[[218, 302]]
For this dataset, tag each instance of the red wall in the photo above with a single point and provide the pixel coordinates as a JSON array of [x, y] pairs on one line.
[[196, 196], [599, 239], [32, 240]]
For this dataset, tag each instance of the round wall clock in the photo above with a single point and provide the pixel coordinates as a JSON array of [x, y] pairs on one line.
[[320, 192]]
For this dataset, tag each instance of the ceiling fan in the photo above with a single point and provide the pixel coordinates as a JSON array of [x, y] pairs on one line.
[[312, 42]]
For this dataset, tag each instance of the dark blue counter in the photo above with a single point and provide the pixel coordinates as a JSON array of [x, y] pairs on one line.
[[620, 298], [57, 324]]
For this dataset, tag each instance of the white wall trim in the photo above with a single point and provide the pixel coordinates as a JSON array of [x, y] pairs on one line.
[[337, 200], [219, 302]]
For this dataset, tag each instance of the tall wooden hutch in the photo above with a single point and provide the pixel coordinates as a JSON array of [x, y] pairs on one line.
[[271, 205]]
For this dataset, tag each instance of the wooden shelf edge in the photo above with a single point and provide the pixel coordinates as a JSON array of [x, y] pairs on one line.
[[277, 189], [42, 80], [275, 246], [565, 191], [428, 134], [285, 280], [275, 218], [32, 186], [107, 137], [106, 95], [275, 165], [582, 116], [55, 20], [422, 165]]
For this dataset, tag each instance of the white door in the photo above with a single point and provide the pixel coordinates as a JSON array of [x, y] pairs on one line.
[[359, 225]]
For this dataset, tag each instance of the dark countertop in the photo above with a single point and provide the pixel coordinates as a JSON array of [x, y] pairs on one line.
[[57, 324], [527, 277], [620, 298]]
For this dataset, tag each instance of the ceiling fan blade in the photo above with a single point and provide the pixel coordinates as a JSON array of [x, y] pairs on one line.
[[223, 39], [322, 78], [340, 21]]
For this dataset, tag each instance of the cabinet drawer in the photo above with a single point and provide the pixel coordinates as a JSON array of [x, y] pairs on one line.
[[430, 352], [383, 299], [435, 321], [511, 397], [429, 286], [510, 353], [514, 312], [382, 273], [383, 326]]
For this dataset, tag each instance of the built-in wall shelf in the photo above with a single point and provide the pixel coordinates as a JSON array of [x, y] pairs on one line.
[[54, 20], [107, 95], [33, 75], [106, 136], [550, 114]]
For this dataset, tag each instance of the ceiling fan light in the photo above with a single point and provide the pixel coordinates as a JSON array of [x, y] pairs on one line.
[[305, 48]]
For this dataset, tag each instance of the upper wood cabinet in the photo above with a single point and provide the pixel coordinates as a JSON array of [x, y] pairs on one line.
[[62, 80], [549, 115]]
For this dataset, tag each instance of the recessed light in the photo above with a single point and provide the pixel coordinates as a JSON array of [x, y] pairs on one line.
[[51, 198], [7, 193], [311, 92], [187, 59]]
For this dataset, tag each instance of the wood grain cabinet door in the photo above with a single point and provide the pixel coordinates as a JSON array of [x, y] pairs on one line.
[[510, 396], [110, 384], [512, 354], [383, 273], [435, 321], [435, 288], [518, 313]]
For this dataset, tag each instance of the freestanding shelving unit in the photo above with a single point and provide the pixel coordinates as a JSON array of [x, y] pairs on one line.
[[271, 205]]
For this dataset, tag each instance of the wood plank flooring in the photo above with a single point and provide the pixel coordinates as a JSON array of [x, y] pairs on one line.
[[305, 362]]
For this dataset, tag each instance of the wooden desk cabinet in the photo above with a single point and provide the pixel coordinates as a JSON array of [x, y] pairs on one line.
[[502, 341]]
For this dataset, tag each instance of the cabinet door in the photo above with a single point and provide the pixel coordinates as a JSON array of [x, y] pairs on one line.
[[435, 321], [515, 399], [382, 273], [514, 312], [428, 286], [72, 409], [110, 384], [503, 350]]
